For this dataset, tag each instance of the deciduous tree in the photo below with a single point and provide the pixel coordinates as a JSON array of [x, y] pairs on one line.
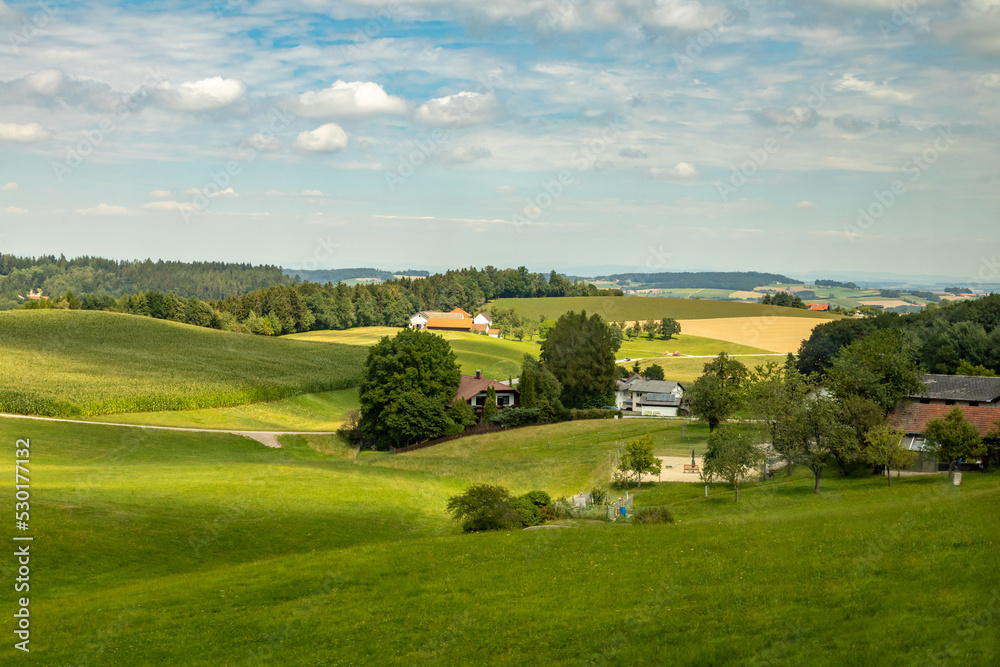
[[731, 455], [953, 437]]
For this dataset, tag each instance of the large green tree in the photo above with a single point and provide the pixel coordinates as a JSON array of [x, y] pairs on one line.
[[668, 327], [580, 352], [880, 367], [773, 395], [412, 361], [953, 437], [543, 386], [717, 394], [884, 447]]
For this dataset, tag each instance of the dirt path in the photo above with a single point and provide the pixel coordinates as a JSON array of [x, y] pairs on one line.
[[266, 438]]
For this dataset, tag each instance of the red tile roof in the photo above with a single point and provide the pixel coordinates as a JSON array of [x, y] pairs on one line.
[[819, 306], [456, 323], [471, 386], [480, 328], [459, 311], [913, 417]]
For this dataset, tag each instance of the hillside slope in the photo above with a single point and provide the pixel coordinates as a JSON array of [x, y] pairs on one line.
[[75, 363]]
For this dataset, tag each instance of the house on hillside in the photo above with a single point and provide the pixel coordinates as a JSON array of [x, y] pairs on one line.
[[823, 307], [456, 320], [656, 398], [978, 397], [472, 390]]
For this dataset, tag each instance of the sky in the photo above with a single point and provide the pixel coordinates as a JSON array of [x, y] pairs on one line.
[[651, 135]]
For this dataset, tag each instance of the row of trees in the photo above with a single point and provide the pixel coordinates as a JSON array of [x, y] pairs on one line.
[[843, 420], [784, 299], [942, 338]]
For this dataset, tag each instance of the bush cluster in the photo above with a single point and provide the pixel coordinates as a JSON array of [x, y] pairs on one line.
[[659, 514], [486, 507]]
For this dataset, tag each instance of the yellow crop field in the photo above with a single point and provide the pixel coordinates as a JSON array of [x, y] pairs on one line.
[[778, 334]]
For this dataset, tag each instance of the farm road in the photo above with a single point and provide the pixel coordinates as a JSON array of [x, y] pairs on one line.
[[266, 438]]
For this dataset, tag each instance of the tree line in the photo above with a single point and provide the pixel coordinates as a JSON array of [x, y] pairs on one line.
[[943, 338], [307, 306], [730, 280]]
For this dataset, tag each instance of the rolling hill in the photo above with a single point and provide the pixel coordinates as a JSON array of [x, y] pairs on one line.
[[76, 363]]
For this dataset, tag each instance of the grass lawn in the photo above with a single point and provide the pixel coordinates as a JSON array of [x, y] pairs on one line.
[[686, 369], [190, 549], [632, 308], [74, 363], [308, 412]]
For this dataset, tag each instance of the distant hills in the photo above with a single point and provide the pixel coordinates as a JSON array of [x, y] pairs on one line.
[[337, 275], [736, 281]]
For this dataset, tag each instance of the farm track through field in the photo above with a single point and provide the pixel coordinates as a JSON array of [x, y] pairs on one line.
[[266, 438]]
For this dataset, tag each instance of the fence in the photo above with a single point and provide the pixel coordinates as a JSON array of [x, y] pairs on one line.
[[478, 429]]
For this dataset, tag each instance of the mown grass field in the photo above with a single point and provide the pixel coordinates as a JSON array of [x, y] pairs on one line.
[[632, 308], [776, 334], [79, 363], [688, 369], [190, 549], [308, 412]]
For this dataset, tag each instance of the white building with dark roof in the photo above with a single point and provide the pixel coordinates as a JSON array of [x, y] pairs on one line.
[[652, 398]]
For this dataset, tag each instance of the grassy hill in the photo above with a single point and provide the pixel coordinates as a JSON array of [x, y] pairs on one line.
[[178, 548], [631, 308], [77, 363]]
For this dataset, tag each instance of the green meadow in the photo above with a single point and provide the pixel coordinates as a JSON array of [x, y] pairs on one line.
[[75, 363], [165, 548], [632, 308]]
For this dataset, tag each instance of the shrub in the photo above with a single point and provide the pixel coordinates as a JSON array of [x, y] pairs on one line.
[[599, 495], [527, 511], [512, 417], [594, 413], [349, 430], [660, 514], [484, 507]]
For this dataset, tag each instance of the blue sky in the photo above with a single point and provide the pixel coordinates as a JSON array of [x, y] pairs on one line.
[[848, 135]]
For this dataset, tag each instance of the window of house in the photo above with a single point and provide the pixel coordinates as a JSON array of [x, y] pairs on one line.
[[925, 401], [503, 400]]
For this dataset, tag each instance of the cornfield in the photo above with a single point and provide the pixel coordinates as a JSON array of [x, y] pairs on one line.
[[60, 363]]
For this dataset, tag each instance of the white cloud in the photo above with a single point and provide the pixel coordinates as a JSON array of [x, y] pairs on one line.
[[104, 209], [466, 154], [877, 91], [311, 193], [324, 139], [23, 134], [160, 194], [631, 152], [169, 206], [212, 93], [264, 142], [228, 193], [463, 108], [680, 170], [805, 204], [681, 14], [348, 100], [504, 189], [10, 187], [14, 210]]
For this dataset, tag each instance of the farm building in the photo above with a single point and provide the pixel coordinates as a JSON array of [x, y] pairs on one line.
[[978, 397], [657, 398], [472, 390], [456, 320], [823, 307]]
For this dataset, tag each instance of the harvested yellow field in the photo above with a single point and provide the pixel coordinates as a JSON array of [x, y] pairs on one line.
[[885, 303], [778, 334]]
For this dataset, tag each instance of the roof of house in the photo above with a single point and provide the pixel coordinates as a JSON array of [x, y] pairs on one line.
[[819, 306], [481, 328], [485, 316], [655, 386], [470, 386], [961, 388], [623, 385], [460, 324], [439, 315], [913, 417], [459, 311]]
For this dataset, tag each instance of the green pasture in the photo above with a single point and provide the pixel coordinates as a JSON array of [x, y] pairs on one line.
[[308, 412], [165, 548], [632, 308], [75, 363], [688, 369]]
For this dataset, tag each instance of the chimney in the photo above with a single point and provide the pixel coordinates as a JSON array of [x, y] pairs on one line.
[[479, 374]]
